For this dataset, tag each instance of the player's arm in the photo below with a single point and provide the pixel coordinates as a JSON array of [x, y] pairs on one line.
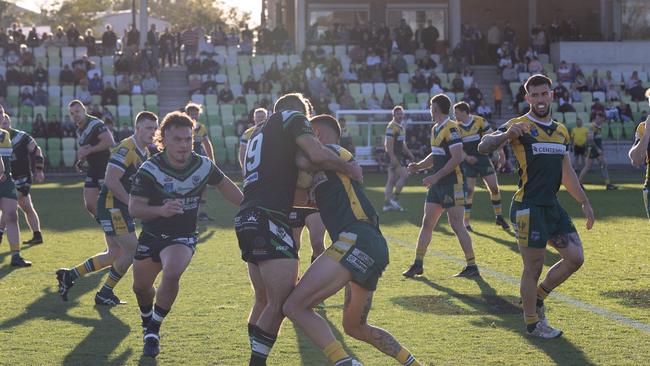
[[2, 170], [37, 157], [112, 180], [426, 163], [242, 154], [105, 142], [326, 159], [639, 151], [207, 147], [230, 191], [389, 143], [407, 151], [140, 208], [496, 140], [572, 184], [456, 152]]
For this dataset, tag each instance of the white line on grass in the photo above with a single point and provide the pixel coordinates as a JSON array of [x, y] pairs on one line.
[[515, 281]]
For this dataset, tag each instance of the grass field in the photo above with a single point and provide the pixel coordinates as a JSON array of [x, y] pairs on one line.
[[604, 309]]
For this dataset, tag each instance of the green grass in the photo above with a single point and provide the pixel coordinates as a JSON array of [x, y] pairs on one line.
[[442, 320]]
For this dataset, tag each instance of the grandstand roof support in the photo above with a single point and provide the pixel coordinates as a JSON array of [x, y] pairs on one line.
[[454, 23], [532, 15], [144, 22], [300, 25]]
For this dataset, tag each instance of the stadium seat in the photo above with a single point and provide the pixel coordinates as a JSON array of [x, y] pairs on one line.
[[599, 95], [367, 89], [422, 99], [151, 100], [644, 106], [124, 113], [68, 144], [69, 158], [579, 106], [380, 90], [137, 100], [216, 131], [198, 98], [409, 98], [40, 109]]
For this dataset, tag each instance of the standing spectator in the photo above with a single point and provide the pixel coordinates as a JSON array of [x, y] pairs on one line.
[[167, 45], [493, 41], [430, 36], [497, 95], [54, 128], [403, 35], [72, 35], [178, 42], [595, 82], [96, 85], [191, 41], [32, 38], [109, 40], [90, 42], [152, 42], [26, 96], [509, 34], [132, 39], [41, 96]]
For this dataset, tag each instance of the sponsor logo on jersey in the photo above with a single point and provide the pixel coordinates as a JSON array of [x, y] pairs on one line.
[[196, 179], [454, 134], [534, 132], [251, 178], [548, 148], [122, 151], [168, 187]]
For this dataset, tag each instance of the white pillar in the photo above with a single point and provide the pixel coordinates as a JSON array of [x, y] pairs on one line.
[[144, 22], [454, 23], [617, 19], [532, 16], [300, 16], [604, 27]]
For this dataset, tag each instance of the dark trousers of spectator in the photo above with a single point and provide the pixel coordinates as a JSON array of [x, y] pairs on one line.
[[109, 50], [166, 53], [497, 107]]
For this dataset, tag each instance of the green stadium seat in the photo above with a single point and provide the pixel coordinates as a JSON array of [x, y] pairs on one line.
[[68, 144], [137, 100], [123, 99], [151, 100], [42, 142], [558, 116], [216, 131], [69, 158], [26, 110], [644, 106], [409, 98], [240, 109], [629, 130], [229, 130], [570, 118], [226, 110], [579, 106], [616, 130]]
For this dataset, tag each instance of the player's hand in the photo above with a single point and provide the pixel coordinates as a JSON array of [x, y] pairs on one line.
[[171, 208], [412, 168], [83, 152], [39, 177], [79, 166], [518, 130], [589, 214], [471, 159], [355, 172], [430, 180]]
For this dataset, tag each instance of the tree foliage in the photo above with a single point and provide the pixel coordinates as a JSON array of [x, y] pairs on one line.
[[80, 12]]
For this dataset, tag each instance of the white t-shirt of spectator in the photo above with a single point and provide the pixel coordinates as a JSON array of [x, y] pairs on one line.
[[373, 60]]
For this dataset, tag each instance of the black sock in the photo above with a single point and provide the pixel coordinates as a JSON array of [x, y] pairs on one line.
[[37, 235], [418, 262], [146, 311], [261, 345], [156, 319], [531, 327]]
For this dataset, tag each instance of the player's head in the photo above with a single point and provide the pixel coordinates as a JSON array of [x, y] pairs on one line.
[[5, 123], [146, 124], [462, 110], [647, 94], [398, 113], [77, 111], [2, 110], [260, 115], [175, 136], [193, 110], [327, 128], [579, 122], [539, 95], [439, 106], [292, 102]]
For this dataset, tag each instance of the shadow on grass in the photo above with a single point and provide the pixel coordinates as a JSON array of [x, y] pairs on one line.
[[507, 314], [5, 270], [631, 298]]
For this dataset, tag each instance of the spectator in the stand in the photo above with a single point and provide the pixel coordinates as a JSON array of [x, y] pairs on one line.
[[40, 74], [314, 85], [26, 96], [39, 128], [166, 47], [210, 66], [637, 93], [457, 84], [596, 108], [109, 40], [124, 132], [387, 101], [633, 81], [581, 82], [68, 127], [509, 34], [390, 74], [400, 64], [435, 87], [106, 114], [27, 57], [136, 84], [226, 95], [493, 41], [209, 86], [474, 96], [73, 35], [96, 85], [3, 88], [149, 84], [83, 94], [124, 85], [246, 44], [153, 42], [624, 111], [564, 72], [193, 65], [575, 94], [612, 93], [54, 128], [429, 37], [484, 110], [109, 94], [59, 39], [41, 96], [190, 39], [250, 85], [419, 82], [595, 82], [559, 91], [32, 38], [66, 76], [534, 66], [346, 101], [530, 54], [90, 42], [497, 95], [110, 126], [132, 39], [12, 76], [373, 102], [509, 74], [564, 103]]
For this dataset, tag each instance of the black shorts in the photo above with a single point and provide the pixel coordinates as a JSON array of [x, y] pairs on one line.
[[150, 245], [23, 184], [264, 235], [94, 178], [579, 150], [298, 215]]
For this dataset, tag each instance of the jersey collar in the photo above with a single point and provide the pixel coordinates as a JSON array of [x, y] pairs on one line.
[[439, 126], [143, 152], [471, 120], [530, 117]]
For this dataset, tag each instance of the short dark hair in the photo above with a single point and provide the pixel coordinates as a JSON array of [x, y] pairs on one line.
[[462, 106], [75, 102], [145, 115], [537, 80], [192, 105], [173, 119], [397, 108], [329, 121], [292, 102], [442, 101]]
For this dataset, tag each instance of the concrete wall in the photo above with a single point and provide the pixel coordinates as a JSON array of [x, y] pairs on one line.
[[483, 13], [619, 56], [585, 12]]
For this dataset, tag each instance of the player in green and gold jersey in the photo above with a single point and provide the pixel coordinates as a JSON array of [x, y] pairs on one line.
[[640, 153], [398, 152], [446, 187], [540, 146], [355, 260], [579, 137], [596, 152]]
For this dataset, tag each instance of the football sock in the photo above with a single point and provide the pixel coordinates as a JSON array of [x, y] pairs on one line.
[[468, 209], [15, 247], [250, 334], [470, 259], [1, 233], [531, 321], [157, 318], [542, 293], [404, 357], [419, 256], [261, 345], [313, 259], [496, 204], [335, 352], [146, 311], [90, 265], [38, 235], [113, 278]]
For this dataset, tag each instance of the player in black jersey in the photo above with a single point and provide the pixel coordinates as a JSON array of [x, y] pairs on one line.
[[165, 196], [25, 150], [94, 143], [262, 225], [202, 144]]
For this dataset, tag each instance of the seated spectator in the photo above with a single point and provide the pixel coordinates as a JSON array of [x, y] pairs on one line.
[[124, 86], [475, 95], [195, 85], [611, 112], [372, 102], [26, 97], [351, 74], [624, 111], [250, 85], [435, 89], [400, 64], [637, 93], [106, 114], [96, 85], [608, 80], [39, 127], [346, 101], [210, 66], [581, 82], [209, 86], [419, 82], [40, 74], [66, 76], [596, 108], [41, 96], [612, 93], [110, 126], [83, 95], [124, 132], [457, 84], [150, 84], [633, 81], [595, 82], [484, 110], [242, 124], [575, 94], [559, 91], [534, 66], [79, 74], [54, 128], [564, 72], [109, 95], [421, 53], [225, 95], [68, 128], [387, 101], [26, 56], [564, 102]]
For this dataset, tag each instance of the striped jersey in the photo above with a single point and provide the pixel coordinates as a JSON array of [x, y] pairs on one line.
[[640, 130], [127, 157], [6, 150], [443, 136], [395, 131]]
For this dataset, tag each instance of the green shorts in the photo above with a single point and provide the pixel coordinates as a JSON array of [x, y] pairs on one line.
[[593, 153], [646, 201], [482, 168], [114, 220], [447, 195], [8, 189], [363, 251], [535, 225]]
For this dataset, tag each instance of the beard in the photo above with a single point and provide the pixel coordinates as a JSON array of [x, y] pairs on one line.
[[539, 114]]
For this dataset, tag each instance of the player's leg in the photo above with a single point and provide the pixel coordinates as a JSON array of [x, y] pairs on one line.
[[9, 207], [388, 190], [469, 198], [145, 272], [432, 213], [297, 236], [646, 202], [492, 184], [260, 298], [324, 278], [31, 216], [358, 302], [316, 229], [90, 199], [588, 162], [127, 243], [455, 217], [401, 175], [605, 173], [279, 278]]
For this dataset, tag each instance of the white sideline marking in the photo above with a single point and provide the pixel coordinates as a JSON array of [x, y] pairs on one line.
[[515, 281]]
